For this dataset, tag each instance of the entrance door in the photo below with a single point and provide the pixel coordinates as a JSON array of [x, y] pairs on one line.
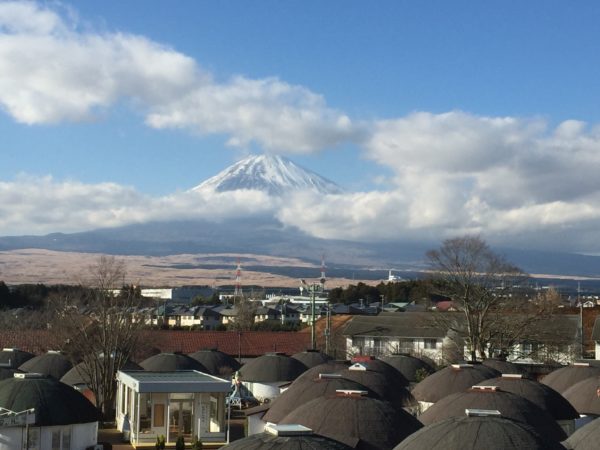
[[180, 419]]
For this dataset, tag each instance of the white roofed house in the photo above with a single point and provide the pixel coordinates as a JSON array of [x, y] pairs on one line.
[[290, 314], [555, 337], [265, 313], [391, 333], [184, 403], [206, 318]]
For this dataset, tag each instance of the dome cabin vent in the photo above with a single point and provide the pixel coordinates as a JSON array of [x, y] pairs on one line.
[[288, 430], [462, 366], [482, 413], [350, 393], [329, 376], [483, 388], [30, 376], [357, 366]]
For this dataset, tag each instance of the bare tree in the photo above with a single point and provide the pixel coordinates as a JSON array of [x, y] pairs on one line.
[[479, 281], [244, 314], [101, 328]]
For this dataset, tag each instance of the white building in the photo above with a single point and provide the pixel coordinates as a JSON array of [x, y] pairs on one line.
[[186, 402]]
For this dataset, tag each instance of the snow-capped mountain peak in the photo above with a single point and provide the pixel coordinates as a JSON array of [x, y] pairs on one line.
[[273, 174]]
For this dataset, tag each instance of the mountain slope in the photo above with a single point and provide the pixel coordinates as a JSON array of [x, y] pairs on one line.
[[275, 175]]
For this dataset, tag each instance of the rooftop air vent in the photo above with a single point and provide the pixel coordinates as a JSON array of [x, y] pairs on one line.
[[28, 376], [328, 376], [483, 413], [461, 366], [481, 388], [512, 375], [581, 364], [350, 393], [10, 349], [54, 352], [287, 430]]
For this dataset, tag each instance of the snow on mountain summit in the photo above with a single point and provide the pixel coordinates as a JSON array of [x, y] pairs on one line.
[[273, 174]]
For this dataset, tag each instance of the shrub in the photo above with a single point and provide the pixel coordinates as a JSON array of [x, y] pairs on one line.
[[196, 444]]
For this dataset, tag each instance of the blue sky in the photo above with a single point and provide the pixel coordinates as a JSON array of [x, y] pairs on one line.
[[464, 116]]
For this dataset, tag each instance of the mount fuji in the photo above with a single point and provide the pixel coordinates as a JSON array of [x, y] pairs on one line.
[[272, 174], [265, 234]]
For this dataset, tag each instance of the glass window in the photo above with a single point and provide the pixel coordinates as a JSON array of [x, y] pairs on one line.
[[430, 344], [56, 440], [129, 399], [145, 412], [66, 439], [216, 406], [123, 398], [33, 439]]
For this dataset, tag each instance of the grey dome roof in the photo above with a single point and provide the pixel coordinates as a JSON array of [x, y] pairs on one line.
[[14, 357], [305, 390], [272, 368], [474, 433], [584, 396], [393, 374], [451, 379], [511, 406], [503, 366], [360, 422], [562, 379], [52, 363], [537, 393], [55, 403], [267, 441], [408, 365], [312, 358], [216, 362], [586, 437], [79, 375], [328, 367], [169, 362], [383, 384]]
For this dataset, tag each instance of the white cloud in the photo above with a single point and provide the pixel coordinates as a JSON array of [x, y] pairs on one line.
[[277, 115], [513, 180], [33, 205], [51, 71]]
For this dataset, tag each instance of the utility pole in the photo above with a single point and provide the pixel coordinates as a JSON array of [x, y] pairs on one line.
[[312, 288], [582, 338]]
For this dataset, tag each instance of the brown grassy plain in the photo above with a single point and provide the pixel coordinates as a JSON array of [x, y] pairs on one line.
[[51, 267]]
